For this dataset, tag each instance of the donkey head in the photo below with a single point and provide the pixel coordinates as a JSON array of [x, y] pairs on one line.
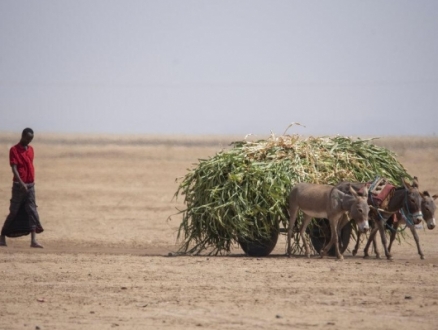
[[359, 209], [412, 203], [428, 208]]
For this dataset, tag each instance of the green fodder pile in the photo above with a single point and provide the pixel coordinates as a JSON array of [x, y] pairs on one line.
[[242, 192]]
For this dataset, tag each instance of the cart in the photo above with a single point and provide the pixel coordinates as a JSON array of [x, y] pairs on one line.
[[319, 236]]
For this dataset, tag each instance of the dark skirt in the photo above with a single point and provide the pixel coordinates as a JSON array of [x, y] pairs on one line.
[[23, 216]]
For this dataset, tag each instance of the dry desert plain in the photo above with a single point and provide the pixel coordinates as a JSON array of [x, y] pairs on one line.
[[104, 202]]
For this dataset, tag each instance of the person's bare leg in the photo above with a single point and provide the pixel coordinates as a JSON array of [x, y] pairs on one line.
[[3, 240], [33, 241]]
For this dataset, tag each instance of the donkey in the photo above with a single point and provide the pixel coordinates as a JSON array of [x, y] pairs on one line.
[[406, 198], [325, 201], [428, 208]]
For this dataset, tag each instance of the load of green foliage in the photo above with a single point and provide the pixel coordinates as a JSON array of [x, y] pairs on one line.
[[243, 191]]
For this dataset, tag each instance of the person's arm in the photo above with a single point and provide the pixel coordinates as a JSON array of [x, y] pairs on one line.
[[17, 176]]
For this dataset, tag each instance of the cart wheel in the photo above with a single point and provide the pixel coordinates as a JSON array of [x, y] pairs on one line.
[[260, 247], [320, 235]]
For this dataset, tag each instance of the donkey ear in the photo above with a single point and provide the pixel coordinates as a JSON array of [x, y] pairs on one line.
[[415, 182], [406, 184], [426, 193], [365, 190], [353, 192], [435, 197]]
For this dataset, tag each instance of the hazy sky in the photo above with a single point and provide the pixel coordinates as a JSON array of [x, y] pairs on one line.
[[219, 67]]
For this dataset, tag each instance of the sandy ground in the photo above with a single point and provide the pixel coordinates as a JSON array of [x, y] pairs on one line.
[[104, 203]]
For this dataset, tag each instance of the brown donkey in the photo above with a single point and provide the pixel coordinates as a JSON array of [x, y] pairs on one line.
[[428, 208], [325, 201], [407, 199]]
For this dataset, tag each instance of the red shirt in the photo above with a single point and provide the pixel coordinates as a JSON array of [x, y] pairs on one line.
[[23, 158]]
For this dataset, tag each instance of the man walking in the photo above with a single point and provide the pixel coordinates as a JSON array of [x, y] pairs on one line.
[[23, 215]]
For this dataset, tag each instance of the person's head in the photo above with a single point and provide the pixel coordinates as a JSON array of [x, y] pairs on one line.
[[26, 136]]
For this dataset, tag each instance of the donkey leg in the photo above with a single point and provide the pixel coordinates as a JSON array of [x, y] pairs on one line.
[[293, 211], [381, 226], [333, 239], [417, 240], [376, 248], [342, 222], [335, 226], [306, 221], [392, 236], [356, 247], [370, 239]]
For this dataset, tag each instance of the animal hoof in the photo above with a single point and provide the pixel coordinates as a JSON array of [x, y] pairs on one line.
[[308, 256], [354, 253], [366, 256], [378, 256], [422, 257]]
